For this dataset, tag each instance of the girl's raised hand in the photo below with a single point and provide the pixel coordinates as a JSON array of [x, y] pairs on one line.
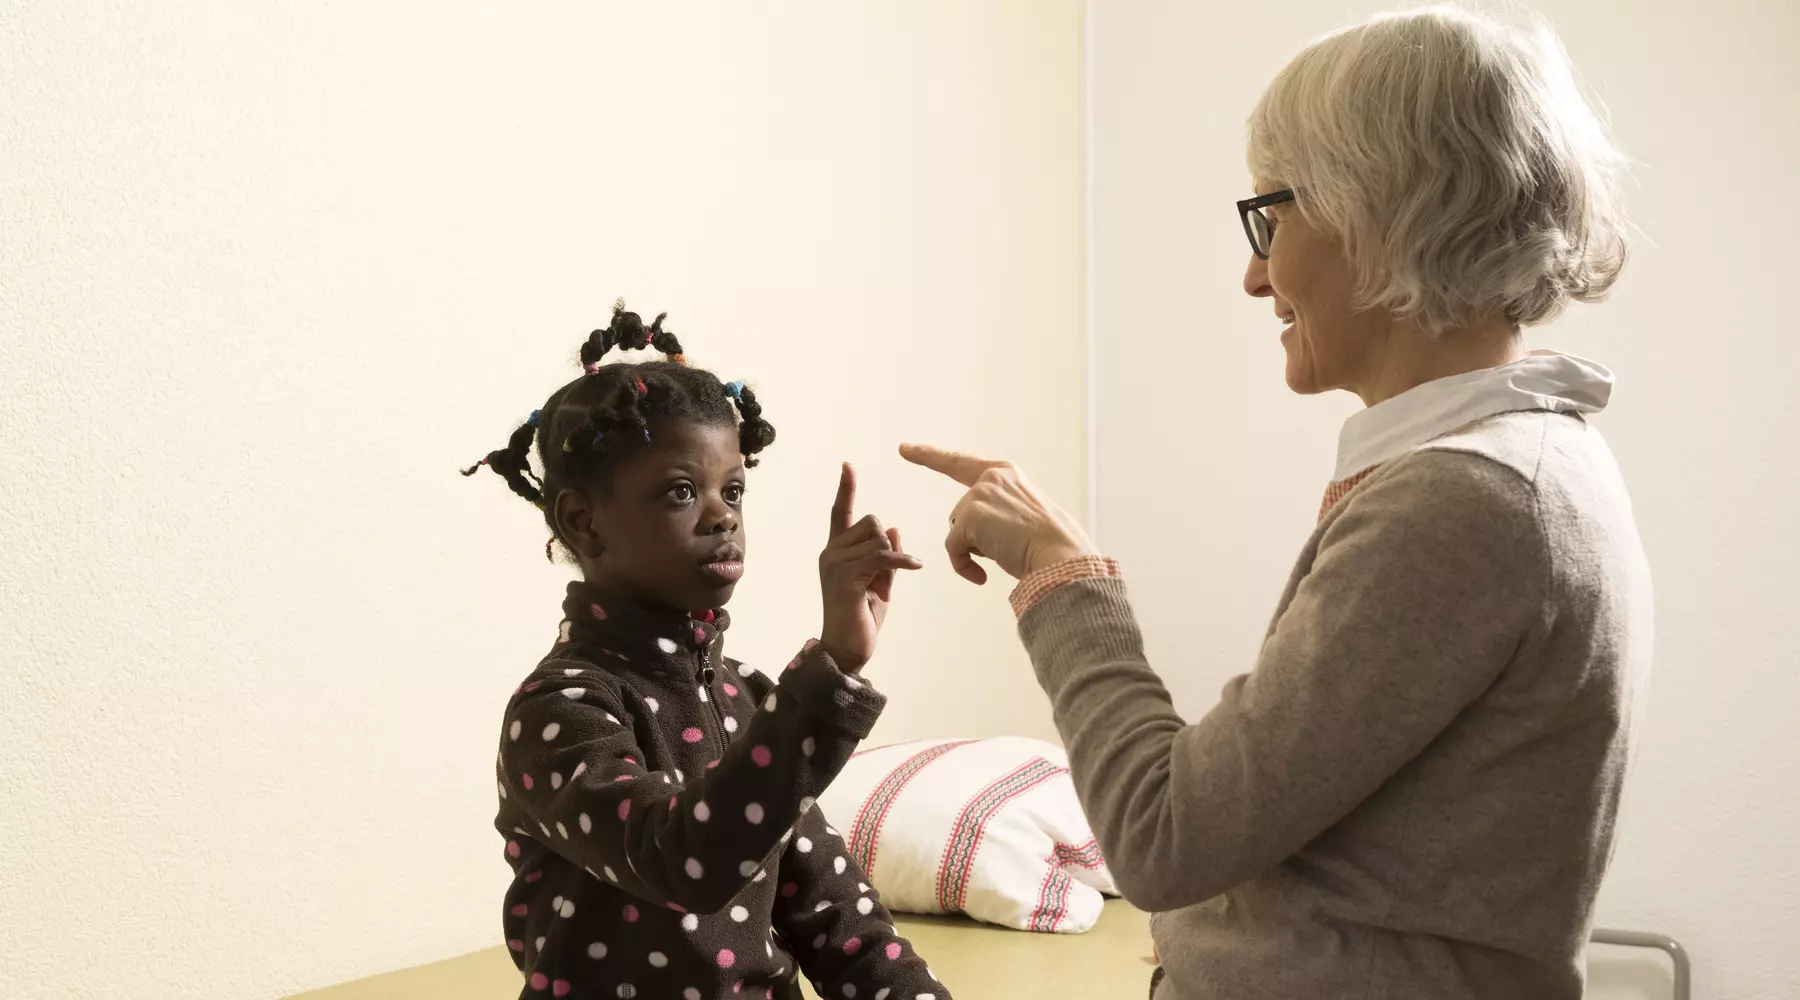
[[856, 578]]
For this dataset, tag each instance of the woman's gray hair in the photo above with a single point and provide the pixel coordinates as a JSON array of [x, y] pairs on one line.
[[1456, 159]]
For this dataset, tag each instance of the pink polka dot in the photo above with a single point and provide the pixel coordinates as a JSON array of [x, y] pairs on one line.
[[533, 877], [624, 808], [533, 686], [731, 689], [792, 664], [521, 910], [760, 754], [727, 960], [893, 950], [516, 945], [539, 981], [677, 908], [700, 636], [512, 848], [711, 764], [692, 735], [788, 889], [528, 782], [622, 777], [597, 611], [852, 946], [560, 988], [631, 914]]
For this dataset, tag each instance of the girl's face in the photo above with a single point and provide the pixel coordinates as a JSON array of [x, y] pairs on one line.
[[669, 532]]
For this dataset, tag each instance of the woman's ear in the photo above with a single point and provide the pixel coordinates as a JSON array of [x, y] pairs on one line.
[[576, 522]]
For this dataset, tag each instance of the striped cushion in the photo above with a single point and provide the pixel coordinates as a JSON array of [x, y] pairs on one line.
[[989, 828]]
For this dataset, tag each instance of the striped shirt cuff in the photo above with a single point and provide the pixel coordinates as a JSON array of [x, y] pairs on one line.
[[1039, 583]]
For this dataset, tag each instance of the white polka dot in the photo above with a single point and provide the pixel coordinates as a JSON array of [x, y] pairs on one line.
[[690, 923], [654, 706], [926, 996], [849, 991], [739, 914], [551, 730], [808, 745], [610, 875], [745, 670], [693, 868], [658, 960], [612, 718], [754, 813], [747, 869], [574, 694], [839, 864], [555, 780], [501, 785], [832, 830], [597, 951], [864, 905], [822, 907], [789, 835], [586, 822], [540, 944], [807, 803], [577, 772], [730, 724], [770, 702], [703, 812], [690, 994], [703, 698], [571, 671], [568, 909], [769, 948], [666, 645], [804, 844], [761, 875], [563, 830], [862, 887], [545, 829], [818, 942], [680, 777], [882, 994], [627, 991], [852, 683], [517, 728]]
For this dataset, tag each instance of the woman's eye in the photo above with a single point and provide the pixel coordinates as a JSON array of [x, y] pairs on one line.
[[682, 493], [734, 494]]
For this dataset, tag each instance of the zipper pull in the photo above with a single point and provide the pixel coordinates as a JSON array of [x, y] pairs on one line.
[[706, 670]]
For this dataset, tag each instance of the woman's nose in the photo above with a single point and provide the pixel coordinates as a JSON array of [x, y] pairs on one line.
[[1256, 278]]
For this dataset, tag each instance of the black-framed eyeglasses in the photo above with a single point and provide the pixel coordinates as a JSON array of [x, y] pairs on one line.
[[1256, 224]]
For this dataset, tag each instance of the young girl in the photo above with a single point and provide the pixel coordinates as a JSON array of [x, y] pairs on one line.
[[657, 798]]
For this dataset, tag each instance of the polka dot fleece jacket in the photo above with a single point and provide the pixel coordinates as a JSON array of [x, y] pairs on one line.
[[657, 804]]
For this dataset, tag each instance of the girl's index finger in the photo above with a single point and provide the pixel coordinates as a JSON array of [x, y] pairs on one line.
[[843, 509]]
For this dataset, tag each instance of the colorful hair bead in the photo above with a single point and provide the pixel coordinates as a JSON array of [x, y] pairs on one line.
[[533, 419], [735, 389]]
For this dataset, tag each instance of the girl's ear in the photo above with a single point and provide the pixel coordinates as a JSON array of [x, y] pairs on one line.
[[578, 525]]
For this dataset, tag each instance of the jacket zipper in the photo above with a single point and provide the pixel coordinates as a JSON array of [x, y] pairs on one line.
[[712, 698]]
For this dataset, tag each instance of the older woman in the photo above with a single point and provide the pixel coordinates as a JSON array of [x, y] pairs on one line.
[[1412, 794]]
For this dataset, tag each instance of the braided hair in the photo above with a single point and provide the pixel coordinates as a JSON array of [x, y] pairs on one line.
[[609, 413]]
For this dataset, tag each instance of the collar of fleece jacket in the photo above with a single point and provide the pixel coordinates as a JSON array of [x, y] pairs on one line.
[[657, 801]]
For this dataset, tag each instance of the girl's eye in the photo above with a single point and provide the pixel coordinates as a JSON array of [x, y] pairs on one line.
[[682, 493], [734, 494]]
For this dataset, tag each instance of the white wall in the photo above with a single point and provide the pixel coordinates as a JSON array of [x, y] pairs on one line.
[[1210, 472], [270, 272]]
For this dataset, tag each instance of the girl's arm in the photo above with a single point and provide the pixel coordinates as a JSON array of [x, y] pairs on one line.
[[834, 923], [571, 765]]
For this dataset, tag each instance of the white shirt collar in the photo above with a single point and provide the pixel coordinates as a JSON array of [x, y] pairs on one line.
[[1543, 380]]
